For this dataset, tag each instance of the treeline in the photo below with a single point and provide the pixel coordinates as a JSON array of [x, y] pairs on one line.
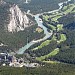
[[48, 69], [19, 39], [43, 51], [38, 6], [4, 16], [67, 19], [67, 49]]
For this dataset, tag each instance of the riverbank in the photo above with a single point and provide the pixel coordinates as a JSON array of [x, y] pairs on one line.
[[40, 24], [47, 35]]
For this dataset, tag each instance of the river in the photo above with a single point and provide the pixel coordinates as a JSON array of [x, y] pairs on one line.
[[40, 24], [47, 35]]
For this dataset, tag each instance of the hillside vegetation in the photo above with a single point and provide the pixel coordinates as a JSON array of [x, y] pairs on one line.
[[48, 69], [60, 46], [37, 6]]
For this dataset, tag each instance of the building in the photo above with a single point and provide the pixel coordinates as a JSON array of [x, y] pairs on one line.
[[5, 57]]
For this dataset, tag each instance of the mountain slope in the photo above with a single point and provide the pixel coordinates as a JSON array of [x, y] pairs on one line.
[[37, 6], [16, 26], [61, 46], [18, 19]]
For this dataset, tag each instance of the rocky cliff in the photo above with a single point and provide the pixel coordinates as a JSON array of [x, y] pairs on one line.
[[2, 2], [18, 19]]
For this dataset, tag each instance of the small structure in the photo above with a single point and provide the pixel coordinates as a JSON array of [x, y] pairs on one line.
[[5, 58], [3, 64], [16, 64], [32, 65]]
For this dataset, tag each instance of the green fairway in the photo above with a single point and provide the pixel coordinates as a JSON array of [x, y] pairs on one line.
[[70, 8], [52, 27], [51, 62], [73, 11], [54, 37], [56, 18], [59, 27], [65, 8], [53, 53], [63, 38], [45, 43], [45, 17]]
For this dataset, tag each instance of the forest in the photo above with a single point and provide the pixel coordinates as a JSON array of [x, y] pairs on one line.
[[57, 53], [16, 40], [63, 38], [37, 6], [48, 69]]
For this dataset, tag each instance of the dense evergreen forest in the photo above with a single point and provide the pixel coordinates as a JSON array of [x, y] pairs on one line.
[[37, 6], [16, 40], [57, 53], [48, 69], [54, 21]]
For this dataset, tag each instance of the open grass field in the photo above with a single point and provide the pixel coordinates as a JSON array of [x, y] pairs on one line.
[[51, 62], [63, 38], [52, 27], [59, 27], [69, 8], [53, 53], [56, 18], [45, 17], [43, 44]]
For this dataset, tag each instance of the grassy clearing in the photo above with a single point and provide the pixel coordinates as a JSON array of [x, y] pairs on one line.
[[56, 18], [53, 53], [54, 37], [70, 8], [51, 62], [45, 43], [63, 38], [55, 14], [73, 11], [45, 17], [59, 27], [52, 27], [65, 8]]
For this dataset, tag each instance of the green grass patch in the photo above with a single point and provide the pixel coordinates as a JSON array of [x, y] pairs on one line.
[[55, 14], [59, 27], [52, 27], [73, 11], [53, 53], [45, 17], [54, 37], [70, 8], [51, 62], [63, 38], [56, 18], [45, 43], [65, 8]]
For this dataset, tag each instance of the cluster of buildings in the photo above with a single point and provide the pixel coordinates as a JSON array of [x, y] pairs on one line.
[[11, 61]]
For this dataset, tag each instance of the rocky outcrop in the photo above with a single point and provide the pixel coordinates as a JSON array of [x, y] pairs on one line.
[[2, 2], [18, 19]]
